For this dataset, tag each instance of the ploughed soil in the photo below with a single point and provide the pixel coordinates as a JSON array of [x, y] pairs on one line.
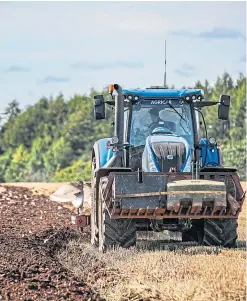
[[32, 230]]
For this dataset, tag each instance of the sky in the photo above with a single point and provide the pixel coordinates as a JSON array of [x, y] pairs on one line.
[[70, 47]]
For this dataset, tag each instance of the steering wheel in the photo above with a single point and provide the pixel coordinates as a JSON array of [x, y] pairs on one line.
[[161, 131]]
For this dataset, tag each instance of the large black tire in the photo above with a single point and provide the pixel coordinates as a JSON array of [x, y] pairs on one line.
[[116, 232], [220, 232], [195, 233]]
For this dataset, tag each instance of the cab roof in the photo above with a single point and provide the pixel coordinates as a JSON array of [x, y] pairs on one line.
[[143, 93]]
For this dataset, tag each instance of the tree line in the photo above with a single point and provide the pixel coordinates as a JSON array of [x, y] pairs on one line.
[[52, 139]]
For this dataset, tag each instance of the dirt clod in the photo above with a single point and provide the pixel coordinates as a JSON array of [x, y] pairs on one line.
[[31, 234]]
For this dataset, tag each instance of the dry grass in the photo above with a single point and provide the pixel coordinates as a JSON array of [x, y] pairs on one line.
[[193, 273], [188, 273], [242, 223]]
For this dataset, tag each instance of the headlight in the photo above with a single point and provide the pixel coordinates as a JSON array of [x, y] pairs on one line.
[[187, 98], [199, 97], [114, 140], [136, 98], [130, 97], [193, 97], [211, 140]]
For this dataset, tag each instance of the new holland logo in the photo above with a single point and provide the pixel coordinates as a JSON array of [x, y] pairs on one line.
[[169, 157], [158, 102]]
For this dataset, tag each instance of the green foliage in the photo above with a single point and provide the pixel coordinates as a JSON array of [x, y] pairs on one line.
[[16, 171], [234, 155], [53, 139], [50, 140], [79, 170], [5, 161]]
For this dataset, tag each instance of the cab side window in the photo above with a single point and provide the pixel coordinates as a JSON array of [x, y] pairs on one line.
[[126, 120]]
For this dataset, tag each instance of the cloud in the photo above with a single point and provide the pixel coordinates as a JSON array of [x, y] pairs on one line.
[[107, 65], [188, 67], [16, 69], [92, 21], [221, 33], [215, 33], [55, 79], [182, 72], [88, 20], [186, 70]]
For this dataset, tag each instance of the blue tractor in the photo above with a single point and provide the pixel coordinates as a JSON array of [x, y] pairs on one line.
[[158, 174]]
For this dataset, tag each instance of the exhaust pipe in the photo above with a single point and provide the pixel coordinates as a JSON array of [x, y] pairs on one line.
[[118, 140]]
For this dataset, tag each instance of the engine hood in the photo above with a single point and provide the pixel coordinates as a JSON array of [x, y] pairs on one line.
[[166, 153]]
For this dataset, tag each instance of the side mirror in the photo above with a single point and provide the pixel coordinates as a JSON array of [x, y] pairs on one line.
[[99, 107], [224, 107]]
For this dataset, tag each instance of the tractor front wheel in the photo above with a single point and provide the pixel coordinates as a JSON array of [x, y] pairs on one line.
[[220, 232], [115, 232]]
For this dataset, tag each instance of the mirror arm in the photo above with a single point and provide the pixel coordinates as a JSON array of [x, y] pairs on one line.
[[109, 102], [205, 104]]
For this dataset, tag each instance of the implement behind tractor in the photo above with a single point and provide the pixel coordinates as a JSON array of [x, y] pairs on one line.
[[158, 175]]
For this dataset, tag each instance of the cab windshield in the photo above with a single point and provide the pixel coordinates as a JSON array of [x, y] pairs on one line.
[[171, 119]]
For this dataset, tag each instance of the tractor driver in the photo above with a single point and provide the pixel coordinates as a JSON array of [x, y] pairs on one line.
[[158, 122]]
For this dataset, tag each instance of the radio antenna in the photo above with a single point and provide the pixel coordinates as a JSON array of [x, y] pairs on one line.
[[165, 67]]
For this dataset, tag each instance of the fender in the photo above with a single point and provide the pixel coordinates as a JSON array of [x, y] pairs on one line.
[[210, 154], [102, 152]]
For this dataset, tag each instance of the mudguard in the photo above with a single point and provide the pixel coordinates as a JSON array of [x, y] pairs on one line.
[[102, 152], [210, 154]]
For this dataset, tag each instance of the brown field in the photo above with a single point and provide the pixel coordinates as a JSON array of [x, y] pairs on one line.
[[176, 273]]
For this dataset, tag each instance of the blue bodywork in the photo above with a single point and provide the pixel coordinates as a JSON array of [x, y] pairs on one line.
[[209, 154], [162, 92], [105, 153], [208, 151]]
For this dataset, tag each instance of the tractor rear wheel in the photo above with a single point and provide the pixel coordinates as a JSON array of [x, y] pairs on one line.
[[115, 232], [220, 232]]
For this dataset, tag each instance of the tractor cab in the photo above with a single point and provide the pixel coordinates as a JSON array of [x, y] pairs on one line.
[[159, 128], [152, 117], [159, 122]]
